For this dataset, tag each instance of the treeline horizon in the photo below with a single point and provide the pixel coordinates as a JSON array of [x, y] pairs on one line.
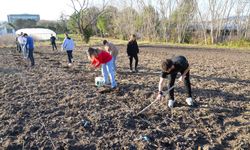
[[176, 21]]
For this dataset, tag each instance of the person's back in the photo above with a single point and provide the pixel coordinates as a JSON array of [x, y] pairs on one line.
[[180, 63], [30, 48], [103, 57], [113, 49], [68, 44], [170, 68], [30, 42]]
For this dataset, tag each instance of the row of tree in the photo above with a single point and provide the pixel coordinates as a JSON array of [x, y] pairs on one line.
[[190, 21]]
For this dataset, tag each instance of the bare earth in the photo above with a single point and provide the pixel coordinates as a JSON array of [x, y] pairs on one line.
[[42, 107]]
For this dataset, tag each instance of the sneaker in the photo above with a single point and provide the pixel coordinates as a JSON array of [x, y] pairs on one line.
[[136, 71], [171, 103], [189, 101], [70, 64]]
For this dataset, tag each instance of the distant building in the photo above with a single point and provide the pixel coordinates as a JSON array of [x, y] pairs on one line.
[[223, 29], [5, 28], [13, 17]]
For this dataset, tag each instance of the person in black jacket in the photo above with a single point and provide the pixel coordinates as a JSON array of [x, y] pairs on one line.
[[171, 67], [132, 51], [53, 42]]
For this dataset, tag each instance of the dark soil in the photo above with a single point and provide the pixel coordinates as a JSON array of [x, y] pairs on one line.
[[52, 106]]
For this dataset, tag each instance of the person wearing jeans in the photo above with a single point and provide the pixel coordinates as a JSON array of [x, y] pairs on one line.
[[172, 67], [100, 57], [68, 45], [108, 72], [30, 48], [112, 49]]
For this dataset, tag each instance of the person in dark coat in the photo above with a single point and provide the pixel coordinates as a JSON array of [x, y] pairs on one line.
[[53, 42], [132, 51]]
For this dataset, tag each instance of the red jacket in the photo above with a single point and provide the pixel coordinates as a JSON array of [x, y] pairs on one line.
[[102, 58]]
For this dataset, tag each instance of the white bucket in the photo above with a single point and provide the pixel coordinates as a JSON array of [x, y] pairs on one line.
[[99, 81]]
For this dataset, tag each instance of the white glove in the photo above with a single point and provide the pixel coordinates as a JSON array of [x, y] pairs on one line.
[[159, 97]]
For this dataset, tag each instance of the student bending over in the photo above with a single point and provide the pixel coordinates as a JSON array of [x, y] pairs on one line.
[[100, 57], [170, 67]]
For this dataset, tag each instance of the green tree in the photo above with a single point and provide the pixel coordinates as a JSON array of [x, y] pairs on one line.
[[110, 14], [180, 19], [84, 23], [125, 24], [61, 25], [102, 25], [151, 22], [84, 18]]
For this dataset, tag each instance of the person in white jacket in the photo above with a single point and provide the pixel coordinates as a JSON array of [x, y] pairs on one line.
[[22, 42], [68, 45]]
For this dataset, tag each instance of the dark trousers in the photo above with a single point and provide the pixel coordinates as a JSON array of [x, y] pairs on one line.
[[70, 56], [18, 47], [186, 82], [131, 61], [54, 46], [31, 57]]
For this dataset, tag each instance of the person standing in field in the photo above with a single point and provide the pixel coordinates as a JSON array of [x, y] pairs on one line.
[[68, 45], [18, 45], [30, 48], [170, 67], [100, 57], [132, 51], [53, 42], [112, 49], [22, 42]]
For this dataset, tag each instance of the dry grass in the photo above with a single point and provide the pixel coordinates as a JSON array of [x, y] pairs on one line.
[[7, 41]]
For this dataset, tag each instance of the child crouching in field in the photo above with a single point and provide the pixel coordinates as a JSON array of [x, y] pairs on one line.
[[100, 57]]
